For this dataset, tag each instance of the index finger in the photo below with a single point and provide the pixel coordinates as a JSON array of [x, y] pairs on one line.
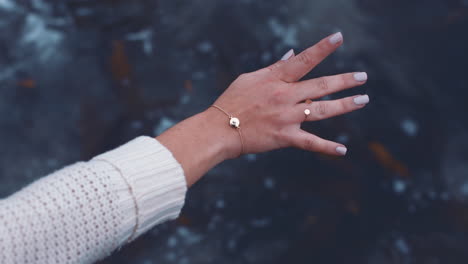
[[296, 68]]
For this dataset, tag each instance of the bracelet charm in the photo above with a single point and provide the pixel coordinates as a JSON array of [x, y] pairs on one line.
[[234, 122]]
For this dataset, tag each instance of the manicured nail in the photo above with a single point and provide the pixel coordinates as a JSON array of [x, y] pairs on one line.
[[341, 150], [337, 38], [360, 77], [361, 100], [288, 55]]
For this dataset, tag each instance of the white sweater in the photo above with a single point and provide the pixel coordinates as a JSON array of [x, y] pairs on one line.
[[83, 212]]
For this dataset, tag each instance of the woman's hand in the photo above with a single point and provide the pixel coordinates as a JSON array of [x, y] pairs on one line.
[[270, 104]]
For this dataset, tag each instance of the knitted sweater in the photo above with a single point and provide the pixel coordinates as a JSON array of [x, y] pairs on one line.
[[83, 212]]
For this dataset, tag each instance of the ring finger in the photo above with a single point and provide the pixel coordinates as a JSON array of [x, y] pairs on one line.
[[319, 110]]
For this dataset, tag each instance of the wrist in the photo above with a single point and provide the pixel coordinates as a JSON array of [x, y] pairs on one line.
[[201, 142], [222, 133]]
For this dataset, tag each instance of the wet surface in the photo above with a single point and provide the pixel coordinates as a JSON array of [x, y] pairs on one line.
[[80, 77]]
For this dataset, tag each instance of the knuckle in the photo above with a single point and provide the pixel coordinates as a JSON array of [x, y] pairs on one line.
[[320, 109], [279, 95], [343, 105], [309, 144], [322, 84], [305, 58], [323, 47], [288, 76], [339, 107], [344, 80], [320, 145]]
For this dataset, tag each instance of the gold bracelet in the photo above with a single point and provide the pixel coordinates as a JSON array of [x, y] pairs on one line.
[[234, 122]]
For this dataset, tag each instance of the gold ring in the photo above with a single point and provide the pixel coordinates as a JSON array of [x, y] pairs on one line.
[[307, 113]]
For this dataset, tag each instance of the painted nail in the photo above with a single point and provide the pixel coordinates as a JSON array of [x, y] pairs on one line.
[[336, 38], [361, 100], [341, 150], [360, 77], [288, 55]]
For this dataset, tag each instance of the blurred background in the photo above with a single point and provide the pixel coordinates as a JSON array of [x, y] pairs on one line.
[[79, 77]]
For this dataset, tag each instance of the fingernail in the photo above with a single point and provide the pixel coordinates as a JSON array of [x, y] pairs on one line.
[[360, 77], [361, 100], [341, 150], [288, 55], [335, 39]]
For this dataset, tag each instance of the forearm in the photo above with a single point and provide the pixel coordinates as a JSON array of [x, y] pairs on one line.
[[201, 142], [84, 211]]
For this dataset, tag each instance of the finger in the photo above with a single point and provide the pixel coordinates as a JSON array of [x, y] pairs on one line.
[[319, 87], [320, 110], [311, 142], [297, 67]]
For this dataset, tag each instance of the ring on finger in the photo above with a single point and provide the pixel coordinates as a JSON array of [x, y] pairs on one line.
[[307, 113]]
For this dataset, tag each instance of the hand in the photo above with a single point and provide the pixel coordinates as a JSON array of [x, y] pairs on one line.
[[270, 102]]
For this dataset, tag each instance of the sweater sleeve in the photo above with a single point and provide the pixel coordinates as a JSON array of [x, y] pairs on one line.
[[83, 212]]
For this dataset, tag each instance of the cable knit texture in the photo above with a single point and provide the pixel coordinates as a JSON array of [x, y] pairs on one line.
[[83, 212]]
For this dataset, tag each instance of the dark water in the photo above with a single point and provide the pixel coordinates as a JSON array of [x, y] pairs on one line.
[[79, 77]]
